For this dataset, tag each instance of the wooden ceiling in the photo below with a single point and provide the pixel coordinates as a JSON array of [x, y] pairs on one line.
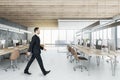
[[31, 12]]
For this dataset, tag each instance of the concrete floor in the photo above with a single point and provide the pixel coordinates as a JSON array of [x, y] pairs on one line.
[[61, 69]]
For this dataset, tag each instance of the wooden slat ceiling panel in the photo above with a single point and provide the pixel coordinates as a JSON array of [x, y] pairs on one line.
[[58, 2], [30, 11]]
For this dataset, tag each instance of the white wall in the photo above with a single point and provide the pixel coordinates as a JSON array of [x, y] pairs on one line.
[[74, 24]]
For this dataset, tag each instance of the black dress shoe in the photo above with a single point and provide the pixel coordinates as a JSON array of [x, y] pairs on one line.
[[46, 73], [26, 72]]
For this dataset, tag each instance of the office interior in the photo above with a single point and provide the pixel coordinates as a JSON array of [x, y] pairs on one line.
[[81, 37]]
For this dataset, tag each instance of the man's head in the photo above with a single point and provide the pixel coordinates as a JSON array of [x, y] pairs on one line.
[[36, 30]]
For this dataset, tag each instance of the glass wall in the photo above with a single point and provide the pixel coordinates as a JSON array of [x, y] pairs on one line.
[[118, 37], [104, 35]]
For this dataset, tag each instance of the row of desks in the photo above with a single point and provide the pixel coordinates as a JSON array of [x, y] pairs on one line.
[[5, 51], [95, 52], [90, 52]]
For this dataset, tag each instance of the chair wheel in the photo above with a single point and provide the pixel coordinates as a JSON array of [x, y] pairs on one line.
[[74, 69], [67, 56], [5, 70]]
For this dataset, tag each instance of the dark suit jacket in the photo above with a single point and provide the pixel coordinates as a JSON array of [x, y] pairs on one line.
[[35, 47]]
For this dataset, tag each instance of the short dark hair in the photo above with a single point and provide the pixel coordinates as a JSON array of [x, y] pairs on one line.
[[35, 29]]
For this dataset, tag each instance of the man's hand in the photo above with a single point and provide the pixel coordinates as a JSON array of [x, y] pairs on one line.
[[44, 49], [28, 53]]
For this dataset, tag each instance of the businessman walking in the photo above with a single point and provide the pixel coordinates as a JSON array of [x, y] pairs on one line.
[[35, 50]]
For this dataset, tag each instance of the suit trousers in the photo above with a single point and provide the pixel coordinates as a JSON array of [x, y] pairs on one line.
[[39, 60]]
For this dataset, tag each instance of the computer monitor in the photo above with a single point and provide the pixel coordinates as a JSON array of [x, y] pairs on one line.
[[88, 43], [17, 44], [99, 44], [15, 41], [1, 46], [78, 41], [24, 42], [2, 42], [20, 42], [10, 43], [82, 42]]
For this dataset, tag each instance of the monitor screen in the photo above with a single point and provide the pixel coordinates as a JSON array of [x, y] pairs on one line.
[[10, 43], [88, 45], [99, 44]]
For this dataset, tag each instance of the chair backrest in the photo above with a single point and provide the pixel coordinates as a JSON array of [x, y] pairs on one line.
[[69, 48], [15, 54], [74, 53]]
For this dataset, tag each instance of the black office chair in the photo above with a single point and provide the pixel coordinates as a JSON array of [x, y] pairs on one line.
[[88, 45]]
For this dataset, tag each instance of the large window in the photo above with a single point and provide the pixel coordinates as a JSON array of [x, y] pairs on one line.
[[42, 36], [62, 35], [118, 37], [97, 35], [104, 34], [47, 36], [94, 38], [56, 36], [101, 33], [70, 36], [86, 36], [118, 32], [109, 33]]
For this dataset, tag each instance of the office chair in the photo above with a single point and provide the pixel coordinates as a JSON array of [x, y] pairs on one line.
[[23, 56], [13, 60], [79, 60], [69, 50], [69, 55]]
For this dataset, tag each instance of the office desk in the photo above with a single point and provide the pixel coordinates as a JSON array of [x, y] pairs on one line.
[[6, 51], [9, 50], [95, 52]]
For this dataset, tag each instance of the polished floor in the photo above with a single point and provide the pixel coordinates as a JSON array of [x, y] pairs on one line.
[[61, 69]]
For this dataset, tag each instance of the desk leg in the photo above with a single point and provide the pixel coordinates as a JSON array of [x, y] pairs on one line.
[[98, 60], [0, 59], [114, 65], [89, 57]]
